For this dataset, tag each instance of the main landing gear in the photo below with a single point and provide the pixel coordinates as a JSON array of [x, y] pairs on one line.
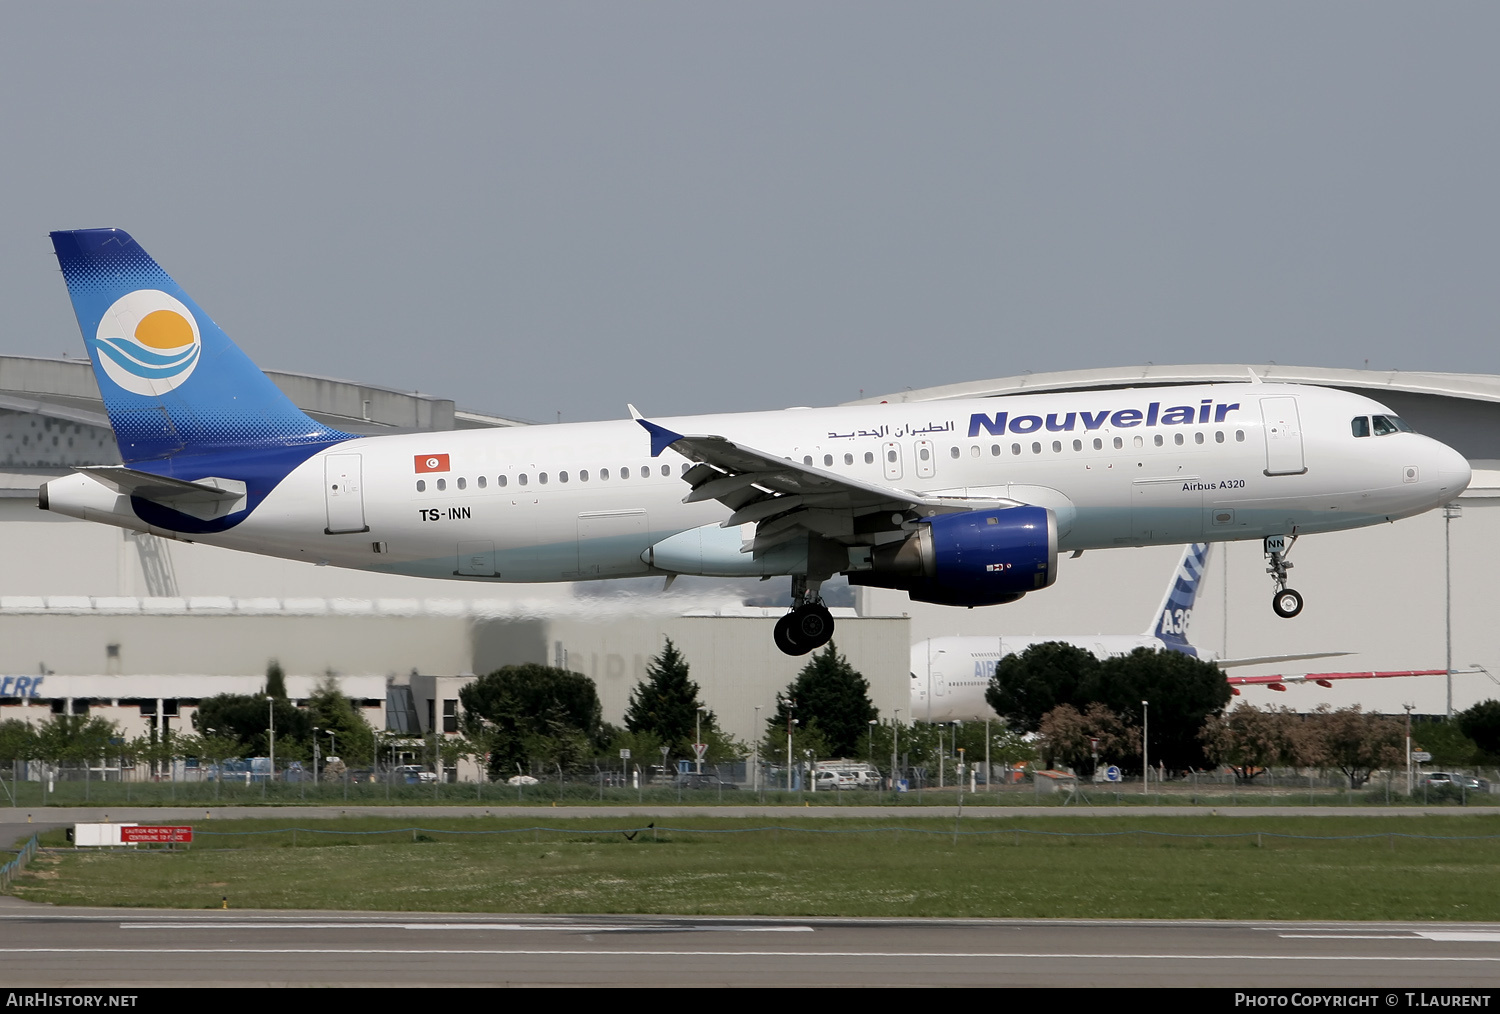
[[809, 625], [1285, 603]]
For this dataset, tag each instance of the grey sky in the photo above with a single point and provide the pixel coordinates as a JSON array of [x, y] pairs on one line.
[[554, 207]]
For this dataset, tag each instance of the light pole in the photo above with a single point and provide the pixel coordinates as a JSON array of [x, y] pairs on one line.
[[989, 772], [755, 771], [1450, 512], [1145, 745], [895, 735], [698, 742], [1409, 787], [316, 730], [271, 733], [870, 742]]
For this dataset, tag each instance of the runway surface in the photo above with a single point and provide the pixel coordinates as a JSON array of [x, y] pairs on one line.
[[42, 946]]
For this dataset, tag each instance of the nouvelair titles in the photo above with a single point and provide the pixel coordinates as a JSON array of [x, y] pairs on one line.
[[1066, 422]]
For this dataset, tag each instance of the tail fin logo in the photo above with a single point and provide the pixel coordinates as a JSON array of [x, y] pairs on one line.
[[147, 342]]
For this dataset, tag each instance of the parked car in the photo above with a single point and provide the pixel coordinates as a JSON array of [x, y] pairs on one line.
[[521, 780], [414, 774], [1472, 784], [694, 780], [1434, 779]]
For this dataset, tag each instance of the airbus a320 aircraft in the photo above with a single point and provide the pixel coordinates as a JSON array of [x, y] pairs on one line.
[[958, 503], [949, 675]]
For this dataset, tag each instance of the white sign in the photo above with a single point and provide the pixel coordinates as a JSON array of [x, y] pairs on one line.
[[700, 749], [1275, 544], [1421, 756], [625, 753]]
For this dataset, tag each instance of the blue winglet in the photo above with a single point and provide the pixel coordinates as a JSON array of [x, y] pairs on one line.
[[661, 437]]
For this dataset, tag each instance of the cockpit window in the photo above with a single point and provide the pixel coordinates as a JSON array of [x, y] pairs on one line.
[[1384, 424], [1361, 426]]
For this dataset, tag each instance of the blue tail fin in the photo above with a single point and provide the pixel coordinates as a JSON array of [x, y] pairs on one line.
[[1170, 625], [173, 383]]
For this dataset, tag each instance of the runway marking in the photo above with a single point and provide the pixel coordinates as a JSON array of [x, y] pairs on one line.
[[492, 926], [582, 952], [1454, 937]]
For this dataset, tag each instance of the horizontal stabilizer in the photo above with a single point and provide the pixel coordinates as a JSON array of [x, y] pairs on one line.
[[204, 498]]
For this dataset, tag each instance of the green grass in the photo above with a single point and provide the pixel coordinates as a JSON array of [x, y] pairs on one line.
[[586, 866]]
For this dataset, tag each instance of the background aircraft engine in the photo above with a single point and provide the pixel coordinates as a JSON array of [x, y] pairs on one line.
[[976, 558]]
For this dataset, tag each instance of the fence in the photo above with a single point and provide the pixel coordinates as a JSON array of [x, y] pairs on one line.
[[9, 870]]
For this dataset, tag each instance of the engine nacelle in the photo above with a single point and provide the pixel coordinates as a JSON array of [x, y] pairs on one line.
[[975, 558]]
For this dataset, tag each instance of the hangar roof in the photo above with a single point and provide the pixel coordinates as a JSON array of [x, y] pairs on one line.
[[65, 389], [1469, 386]]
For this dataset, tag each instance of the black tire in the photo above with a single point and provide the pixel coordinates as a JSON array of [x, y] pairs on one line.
[[1286, 603], [813, 625], [785, 636]]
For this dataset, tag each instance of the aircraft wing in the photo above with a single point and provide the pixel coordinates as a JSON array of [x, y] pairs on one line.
[[785, 498], [1324, 679], [1230, 663]]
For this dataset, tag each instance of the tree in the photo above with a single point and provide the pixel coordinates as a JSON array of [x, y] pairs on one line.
[[1027, 685], [275, 681], [831, 697], [330, 711], [1356, 743], [1250, 740], [1481, 723], [17, 740], [74, 738], [665, 705], [243, 718], [1183, 692], [1446, 741], [1067, 735], [533, 714]]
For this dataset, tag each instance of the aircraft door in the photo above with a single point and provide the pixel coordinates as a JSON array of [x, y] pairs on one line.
[[891, 452], [925, 459], [1283, 430], [343, 491]]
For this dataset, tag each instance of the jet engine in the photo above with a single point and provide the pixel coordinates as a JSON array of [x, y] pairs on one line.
[[973, 558]]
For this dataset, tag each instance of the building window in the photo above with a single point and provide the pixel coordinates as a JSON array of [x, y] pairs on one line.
[[450, 716]]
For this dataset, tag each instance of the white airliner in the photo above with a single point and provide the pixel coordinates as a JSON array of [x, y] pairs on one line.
[[949, 675], [963, 503]]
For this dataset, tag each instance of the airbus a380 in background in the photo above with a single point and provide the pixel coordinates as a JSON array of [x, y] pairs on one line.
[[949, 675], [964, 503]]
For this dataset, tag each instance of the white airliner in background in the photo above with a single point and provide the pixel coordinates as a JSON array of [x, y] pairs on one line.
[[963, 503], [949, 675]]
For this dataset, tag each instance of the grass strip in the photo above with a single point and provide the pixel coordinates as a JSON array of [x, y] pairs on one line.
[[1374, 868]]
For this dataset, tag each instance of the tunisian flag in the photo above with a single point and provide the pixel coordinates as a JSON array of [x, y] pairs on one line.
[[432, 463]]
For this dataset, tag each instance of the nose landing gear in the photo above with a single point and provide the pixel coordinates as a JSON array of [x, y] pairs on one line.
[[1285, 602], [809, 625]]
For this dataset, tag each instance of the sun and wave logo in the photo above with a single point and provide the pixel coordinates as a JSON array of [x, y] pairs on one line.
[[148, 342]]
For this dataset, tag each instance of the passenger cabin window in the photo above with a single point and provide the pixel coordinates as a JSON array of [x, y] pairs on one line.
[[1119, 442], [463, 483], [442, 484], [521, 478], [807, 459], [827, 460], [583, 475], [541, 477], [848, 459], [625, 472], [995, 450], [421, 485], [501, 481], [869, 457], [603, 474], [483, 482], [562, 476]]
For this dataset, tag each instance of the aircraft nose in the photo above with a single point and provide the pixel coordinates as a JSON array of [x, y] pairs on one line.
[[1453, 470]]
